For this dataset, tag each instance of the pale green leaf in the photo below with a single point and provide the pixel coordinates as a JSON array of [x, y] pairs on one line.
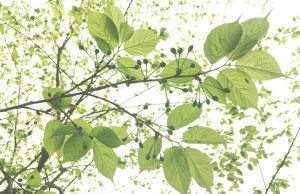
[[253, 31], [58, 104], [106, 136], [101, 26], [76, 147], [176, 169], [202, 135], [121, 133], [125, 32], [52, 143], [183, 115], [126, 65], [259, 65], [85, 126], [34, 179], [105, 159], [141, 43], [221, 41], [212, 87], [200, 167], [242, 89], [65, 130], [155, 147], [115, 15], [102, 45], [184, 65]]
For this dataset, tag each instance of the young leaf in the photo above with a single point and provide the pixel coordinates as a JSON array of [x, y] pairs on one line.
[[52, 143], [199, 167], [141, 43], [212, 87], [76, 147], [105, 159], [202, 135], [34, 179], [102, 45], [259, 65], [62, 103], [126, 65], [101, 26], [150, 143], [171, 70], [183, 115], [115, 14], [221, 41], [121, 133], [253, 31], [125, 32], [242, 89], [176, 170], [106, 136], [65, 130]]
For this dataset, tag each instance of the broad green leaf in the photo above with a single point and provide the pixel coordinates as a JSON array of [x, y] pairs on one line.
[[176, 169], [200, 167], [105, 159], [60, 151], [221, 41], [184, 64], [126, 65], [76, 147], [101, 26], [121, 133], [183, 115], [141, 43], [52, 143], [102, 45], [212, 87], [125, 32], [253, 31], [62, 103], [85, 126], [202, 135], [34, 179], [106, 136], [155, 147], [259, 65], [242, 89], [115, 14], [65, 130]]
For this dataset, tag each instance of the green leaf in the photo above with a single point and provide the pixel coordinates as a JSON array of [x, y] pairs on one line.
[[85, 126], [202, 135], [176, 169], [171, 69], [65, 130], [76, 147], [221, 41], [106, 136], [155, 147], [115, 14], [105, 159], [242, 89], [102, 45], [125, 32], [34, 179], [101, 26], [183, 115], [253, 31], [200, 167], [141, 43], [212, 87], [126, 65], [259, 65], [62, 103], [121, 133], [52, 143]]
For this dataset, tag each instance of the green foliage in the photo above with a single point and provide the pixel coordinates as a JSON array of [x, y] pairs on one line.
[[202, 135], [106, 136], [76, 147], [58, 104], [51, 142]]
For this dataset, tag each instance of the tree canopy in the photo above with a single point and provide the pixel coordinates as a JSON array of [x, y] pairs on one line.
[[94, 94]]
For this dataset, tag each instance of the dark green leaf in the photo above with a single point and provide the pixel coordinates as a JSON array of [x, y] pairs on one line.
[[125, 32], [76, 147], [102, 45], [106, 136], [202, 135], [65, 130], [221, 41], [121, 133], [115, 14], [212, 88]]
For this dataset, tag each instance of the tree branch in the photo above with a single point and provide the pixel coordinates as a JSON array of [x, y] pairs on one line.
[[128, 8]]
